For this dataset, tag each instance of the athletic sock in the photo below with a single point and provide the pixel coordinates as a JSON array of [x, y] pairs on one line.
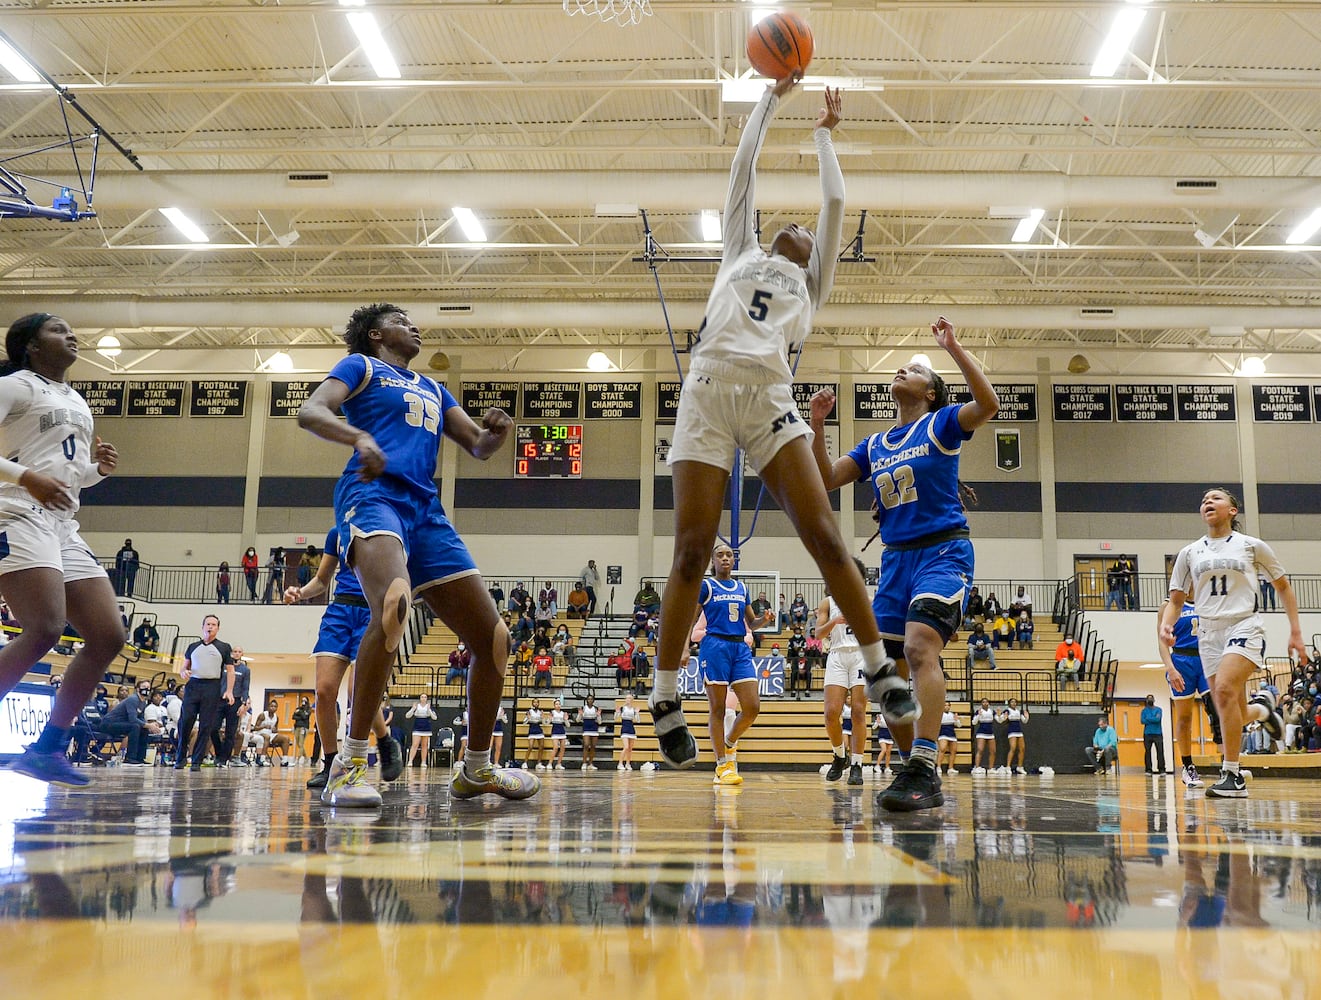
[[475, 760], [1230, 765], [353, 748], [667, 685], [873, 654], [839, 750], [924, 751], [1187, 760], [858, 758], [721, 760], [53, 739]]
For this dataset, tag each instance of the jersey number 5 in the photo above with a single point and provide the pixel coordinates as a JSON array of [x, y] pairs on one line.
[[761, 305], [896, 488], [421, 412]]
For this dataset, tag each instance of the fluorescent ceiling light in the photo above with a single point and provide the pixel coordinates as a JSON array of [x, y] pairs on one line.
[[17, 67], [108, 346], [870, 84], [923, 360], [742, 90], [1252, 367], [710, 225], [599, 362], [470, 224], [1306, 229], [1115, 47], [1027, 225], [190, 229], [280, 361], [372, 41]]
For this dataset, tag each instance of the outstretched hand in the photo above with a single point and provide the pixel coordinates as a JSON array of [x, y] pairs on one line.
[[830, 115], [943, 330], [782, 87], [823, 401]]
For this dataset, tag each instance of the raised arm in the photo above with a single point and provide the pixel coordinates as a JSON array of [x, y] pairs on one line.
[[740, 211], [830, 223], [843, 470], [985, 403]]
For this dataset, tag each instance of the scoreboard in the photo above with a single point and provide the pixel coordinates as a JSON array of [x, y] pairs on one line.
[[548, 451]]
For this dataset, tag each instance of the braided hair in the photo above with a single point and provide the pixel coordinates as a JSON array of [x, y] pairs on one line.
[[21, 333]]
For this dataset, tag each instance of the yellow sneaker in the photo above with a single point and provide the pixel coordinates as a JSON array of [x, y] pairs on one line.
[[727, 774]]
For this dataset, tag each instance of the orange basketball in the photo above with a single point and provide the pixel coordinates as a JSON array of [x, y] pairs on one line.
[[780, 45]]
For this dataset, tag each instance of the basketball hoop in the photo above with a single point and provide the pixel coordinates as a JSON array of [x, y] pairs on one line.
[[622, 12]]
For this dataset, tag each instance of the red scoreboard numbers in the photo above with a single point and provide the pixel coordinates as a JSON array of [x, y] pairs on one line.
[[548, 451]]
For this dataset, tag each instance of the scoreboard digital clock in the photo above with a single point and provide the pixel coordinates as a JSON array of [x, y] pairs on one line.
[[548, 451]]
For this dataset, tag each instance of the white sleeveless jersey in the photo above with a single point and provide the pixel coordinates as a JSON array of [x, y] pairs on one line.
[[1220, 574], [590, 712], [627, 714], [841, 636], [947, 719], [47, 427], [1013, 715]]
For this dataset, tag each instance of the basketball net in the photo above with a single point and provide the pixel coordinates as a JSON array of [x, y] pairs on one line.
[[622, 12]]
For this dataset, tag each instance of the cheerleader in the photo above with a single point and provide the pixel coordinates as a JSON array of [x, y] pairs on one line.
[[498, 736], [1015, 718], [948, 739], [461, 723], [983, 731], [535, 736], [884, 744], [628, 734], [421, 713], [590, 717], [559, 736]]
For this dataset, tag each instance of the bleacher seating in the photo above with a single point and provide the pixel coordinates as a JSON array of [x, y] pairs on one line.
[[431, 658]]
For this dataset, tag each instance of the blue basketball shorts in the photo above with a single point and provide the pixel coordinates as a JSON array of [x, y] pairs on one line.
[[937, 572], [725, 662], [1194, 679], [341, 632], [435, 552]]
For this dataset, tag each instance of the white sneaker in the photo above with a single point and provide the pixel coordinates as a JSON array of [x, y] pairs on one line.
[[1191, 777], [979, 770], [541, 766], [582, 766], [559, 767], [952, 771], [591, 767], [349, 787], [1020, 770]]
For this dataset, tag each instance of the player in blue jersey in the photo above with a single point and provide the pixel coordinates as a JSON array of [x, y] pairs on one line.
[[342, 626], [399, 542], [928, 561], [739, 395], [725, 658], [1188, 685]]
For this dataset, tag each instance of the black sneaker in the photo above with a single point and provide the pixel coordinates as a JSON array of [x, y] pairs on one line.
[[1274, 721], [916, 786], [392, 760], [319, 779], [1230, 786], [855, 774], [676, 742], [837, 765], [899, 706]]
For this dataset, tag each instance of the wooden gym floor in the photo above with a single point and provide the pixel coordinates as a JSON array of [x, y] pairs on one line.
[[641, 885]]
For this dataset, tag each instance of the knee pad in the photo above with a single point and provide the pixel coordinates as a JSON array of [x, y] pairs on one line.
[[943, 616], [1214, 716], [394, 612]]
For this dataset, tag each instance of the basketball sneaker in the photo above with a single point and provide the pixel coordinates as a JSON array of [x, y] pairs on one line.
[[54, 767], [1230, 786], [855, 774], [916, 786], [887, 687], [507, 782], [348, 786], [727, 774], [676, 742], [1191, 778], [838, 764], [1274, 721], [392, 758]]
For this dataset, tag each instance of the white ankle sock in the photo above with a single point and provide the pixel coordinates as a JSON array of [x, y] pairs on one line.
[[667, 685], [475, 760], [353, 748]]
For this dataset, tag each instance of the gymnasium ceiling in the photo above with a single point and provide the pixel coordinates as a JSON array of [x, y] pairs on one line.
[[964, 114]]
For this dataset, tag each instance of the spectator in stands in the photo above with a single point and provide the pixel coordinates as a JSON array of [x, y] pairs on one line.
[[641, 666], [782, 614], [1025, 628], [639, 626], [991, 609], [562, 648], [761, 605], [275, 575], [154, 715], [1128, 580], [1002, 631], [812, 656], [797, 654], [517, 597], [646, 599], [1068, 644], [523, 659], [588, 581], [542, 666], [250, 565], [1022, 602], [56, 680], [1153, 737], [545, 615], [622, 661], [579, 602], [101, 699], [145, 636], [1114, 595], [302, 719], [980, 649], [497, 593], [523, 628], [798, 610], [126, 569], [423, 716], [1292, 710], [549, 595], [540, 640], [307, 565], [460, 659], [1104, 749], [222, 584], [1069, 669], [1267, 591], [125, 721], [975, 610]]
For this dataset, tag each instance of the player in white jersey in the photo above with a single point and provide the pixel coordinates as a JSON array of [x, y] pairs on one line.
[[1219, 572], [48, 454], [844, 680], [738, 394]]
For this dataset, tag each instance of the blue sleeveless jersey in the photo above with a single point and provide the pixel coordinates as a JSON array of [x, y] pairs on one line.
[[724, 603], [914, 472], [346, 582], [403, 411], [1185, 627]]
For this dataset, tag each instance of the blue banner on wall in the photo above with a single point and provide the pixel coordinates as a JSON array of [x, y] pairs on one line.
[[770, 677]]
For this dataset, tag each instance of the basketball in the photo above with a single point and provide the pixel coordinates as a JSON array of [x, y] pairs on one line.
[[780, 45]]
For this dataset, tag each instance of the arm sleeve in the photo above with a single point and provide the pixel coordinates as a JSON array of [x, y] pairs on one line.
[[739, 211], [830, 223]]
